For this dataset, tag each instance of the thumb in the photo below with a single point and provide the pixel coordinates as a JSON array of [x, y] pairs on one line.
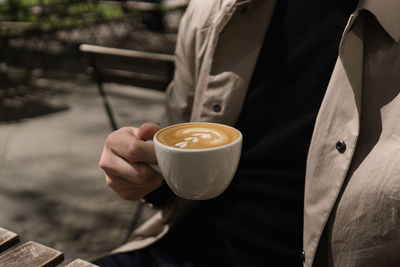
[[148, 130]]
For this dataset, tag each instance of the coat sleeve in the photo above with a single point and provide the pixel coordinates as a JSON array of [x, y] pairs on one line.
[[180, 92]]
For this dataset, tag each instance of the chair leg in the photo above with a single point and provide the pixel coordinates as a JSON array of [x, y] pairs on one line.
[[102, 92], [107, 106]]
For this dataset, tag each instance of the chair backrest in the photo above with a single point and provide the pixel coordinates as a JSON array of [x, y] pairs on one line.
[[137, 68]]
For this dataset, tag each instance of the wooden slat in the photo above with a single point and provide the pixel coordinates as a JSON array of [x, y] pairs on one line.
[[134, 75], [80, 263], [31, 254], [134, 79], [125, 53], [7, 239]]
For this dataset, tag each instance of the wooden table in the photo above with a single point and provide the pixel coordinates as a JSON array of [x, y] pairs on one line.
[[31, 254]]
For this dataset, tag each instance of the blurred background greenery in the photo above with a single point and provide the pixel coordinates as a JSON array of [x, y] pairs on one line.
[[40, 39]]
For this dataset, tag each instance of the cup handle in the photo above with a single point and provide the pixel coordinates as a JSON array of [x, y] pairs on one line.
[[154, 166]]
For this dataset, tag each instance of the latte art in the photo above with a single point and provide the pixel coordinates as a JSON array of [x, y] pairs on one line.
[[197, 135], [201, 137]]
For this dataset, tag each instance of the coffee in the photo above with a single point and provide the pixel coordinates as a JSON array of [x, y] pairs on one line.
[[197, 135], [198, 160]]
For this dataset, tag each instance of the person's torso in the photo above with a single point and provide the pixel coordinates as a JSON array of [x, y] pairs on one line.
[[258, 220]]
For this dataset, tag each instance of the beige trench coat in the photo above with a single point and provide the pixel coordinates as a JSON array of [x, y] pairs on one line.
[[353, 169]]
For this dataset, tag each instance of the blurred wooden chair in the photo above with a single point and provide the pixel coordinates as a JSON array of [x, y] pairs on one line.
[[131, 67]]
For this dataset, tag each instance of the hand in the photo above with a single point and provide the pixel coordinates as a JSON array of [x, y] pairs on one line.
[[124, 161]]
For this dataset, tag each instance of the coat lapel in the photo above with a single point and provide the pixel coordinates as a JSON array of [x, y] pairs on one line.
[[338, 119]]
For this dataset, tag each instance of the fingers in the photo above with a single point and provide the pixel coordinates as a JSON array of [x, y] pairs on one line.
[[148, 130], [128, 146], [124, 161], [130, 181], [135, 173], [130, 191]]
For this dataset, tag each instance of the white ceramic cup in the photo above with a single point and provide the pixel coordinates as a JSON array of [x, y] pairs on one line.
[[201, 173]]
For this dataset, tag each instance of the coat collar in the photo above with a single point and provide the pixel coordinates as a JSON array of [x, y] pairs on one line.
[[387, 13]]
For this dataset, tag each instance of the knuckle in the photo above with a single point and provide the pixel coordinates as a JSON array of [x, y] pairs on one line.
[[103, 164], [134, 150], [142, 175], [109, 140], [113, 137]]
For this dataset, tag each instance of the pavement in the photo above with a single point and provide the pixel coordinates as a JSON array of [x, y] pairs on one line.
[[52, 190]]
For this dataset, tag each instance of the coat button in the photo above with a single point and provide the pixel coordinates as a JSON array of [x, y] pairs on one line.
[[303, 256], [341, 146], [217, 107]]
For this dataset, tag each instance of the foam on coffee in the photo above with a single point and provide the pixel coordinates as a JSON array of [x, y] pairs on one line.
[[197, 135]]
